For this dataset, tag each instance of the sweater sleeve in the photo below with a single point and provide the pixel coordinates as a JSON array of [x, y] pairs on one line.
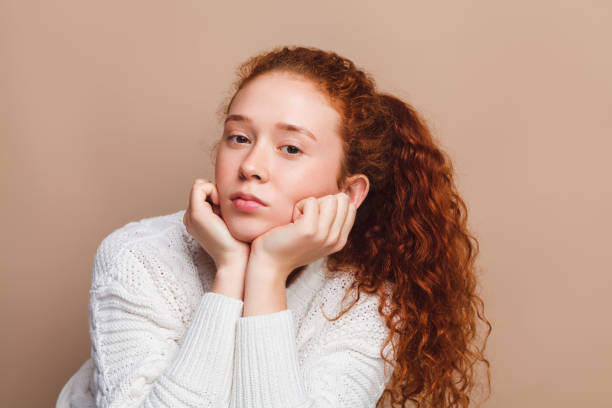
[[345, 368], [143, 356]]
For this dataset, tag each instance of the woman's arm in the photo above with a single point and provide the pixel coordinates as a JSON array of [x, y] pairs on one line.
[[345, 368], [267, 371], [143, 356]]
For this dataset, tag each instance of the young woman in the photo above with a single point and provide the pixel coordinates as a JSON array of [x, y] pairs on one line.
[[328, 265]]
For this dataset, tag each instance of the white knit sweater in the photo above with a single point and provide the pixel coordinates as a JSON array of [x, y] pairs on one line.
[[160, 338]]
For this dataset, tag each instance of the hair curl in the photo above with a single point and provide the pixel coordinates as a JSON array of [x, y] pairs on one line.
[[415, 227]]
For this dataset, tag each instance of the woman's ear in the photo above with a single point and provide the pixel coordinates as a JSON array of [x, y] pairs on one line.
[[357, 187]]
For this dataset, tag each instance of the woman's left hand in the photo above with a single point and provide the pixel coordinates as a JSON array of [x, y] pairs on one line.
[[320, 226]]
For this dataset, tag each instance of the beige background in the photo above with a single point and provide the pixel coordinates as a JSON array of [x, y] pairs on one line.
[[107, 109]]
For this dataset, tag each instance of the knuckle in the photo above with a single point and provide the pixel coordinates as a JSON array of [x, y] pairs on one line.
[[331, 242], [310, 232], [321, 238], [329, 199], [339, 245], [328, 205], [194, 218]]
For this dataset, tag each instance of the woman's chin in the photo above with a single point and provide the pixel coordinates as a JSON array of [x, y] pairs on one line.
[[244, 235], [247, 230]]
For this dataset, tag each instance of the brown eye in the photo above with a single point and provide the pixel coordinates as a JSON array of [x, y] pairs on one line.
[[243, 138], [293, 150]]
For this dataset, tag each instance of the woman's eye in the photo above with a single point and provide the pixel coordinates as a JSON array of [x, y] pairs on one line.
[[292, 150], [240, 139], [243, 138]]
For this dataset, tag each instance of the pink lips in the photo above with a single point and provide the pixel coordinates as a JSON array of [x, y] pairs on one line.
[[246, 202], [246, 205]]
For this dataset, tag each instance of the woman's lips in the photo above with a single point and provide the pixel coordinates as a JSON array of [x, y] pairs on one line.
[[246, 205]]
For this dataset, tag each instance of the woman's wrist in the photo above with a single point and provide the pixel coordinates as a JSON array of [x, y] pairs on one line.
[[264, 288], [229, 280], [264, 267]]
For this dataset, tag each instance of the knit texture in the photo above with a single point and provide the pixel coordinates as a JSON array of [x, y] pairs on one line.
[[161, 338]]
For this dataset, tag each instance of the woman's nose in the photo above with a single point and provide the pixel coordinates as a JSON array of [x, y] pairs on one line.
[[255, 164]]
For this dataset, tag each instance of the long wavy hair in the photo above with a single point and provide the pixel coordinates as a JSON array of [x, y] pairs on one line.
[[410, 233]]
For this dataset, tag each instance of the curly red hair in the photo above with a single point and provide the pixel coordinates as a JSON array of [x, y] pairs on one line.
[[415, 227]]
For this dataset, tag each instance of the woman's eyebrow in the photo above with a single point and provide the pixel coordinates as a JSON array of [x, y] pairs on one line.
[[280, 125]]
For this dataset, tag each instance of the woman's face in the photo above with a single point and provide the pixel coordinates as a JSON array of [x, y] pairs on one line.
[[263, 153]]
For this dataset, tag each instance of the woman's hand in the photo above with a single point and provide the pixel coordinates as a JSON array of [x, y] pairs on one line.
[[320, 226], [203, 222]]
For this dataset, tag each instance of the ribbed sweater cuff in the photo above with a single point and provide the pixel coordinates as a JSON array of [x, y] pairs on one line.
[[267, 370], [205, 360]]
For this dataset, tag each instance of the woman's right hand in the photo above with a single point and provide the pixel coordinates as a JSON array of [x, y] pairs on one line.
[[204, 223]]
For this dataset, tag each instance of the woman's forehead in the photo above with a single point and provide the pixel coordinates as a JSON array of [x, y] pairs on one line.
[[276, 97]]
